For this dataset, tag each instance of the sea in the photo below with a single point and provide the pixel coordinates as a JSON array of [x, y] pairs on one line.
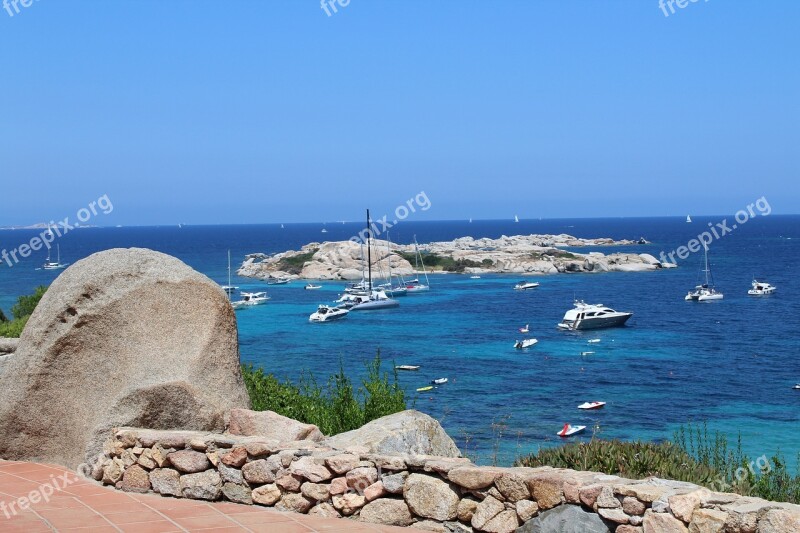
[[729, 364]]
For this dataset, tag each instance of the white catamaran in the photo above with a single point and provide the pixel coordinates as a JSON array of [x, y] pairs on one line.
[[705, 291]]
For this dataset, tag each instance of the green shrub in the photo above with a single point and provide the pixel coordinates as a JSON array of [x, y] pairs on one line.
[[21, 311], [693, 456], [334, 408], [294, 264]]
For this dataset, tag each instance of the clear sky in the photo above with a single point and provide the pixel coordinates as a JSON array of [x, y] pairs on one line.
[[272, 111]]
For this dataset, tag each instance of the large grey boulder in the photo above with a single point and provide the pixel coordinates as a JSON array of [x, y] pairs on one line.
[[406, 432], [125, 337], [565, 519], [8, 345]]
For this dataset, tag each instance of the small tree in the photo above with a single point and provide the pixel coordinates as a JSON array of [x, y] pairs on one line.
[[26, 304]]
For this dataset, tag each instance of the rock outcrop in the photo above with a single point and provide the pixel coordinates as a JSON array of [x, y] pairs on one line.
[[521, 254], [409, 432], [123, 337], [271, 425], [8, 346]]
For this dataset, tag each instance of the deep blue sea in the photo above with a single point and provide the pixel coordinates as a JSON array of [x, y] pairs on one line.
[[731, 363]]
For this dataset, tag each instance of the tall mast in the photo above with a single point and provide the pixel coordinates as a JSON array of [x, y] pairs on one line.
[[369, 252], [229, 269]]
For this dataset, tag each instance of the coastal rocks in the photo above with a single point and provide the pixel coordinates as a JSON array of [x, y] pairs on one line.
[[8, 346], [189, 461], [271, 425], [409, 432], [431, 497], [202, 486], [123, 337], [565, 519], [387, 511]]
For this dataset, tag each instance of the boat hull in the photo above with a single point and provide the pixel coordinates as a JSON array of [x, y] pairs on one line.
[[375, 305], [597, 323]]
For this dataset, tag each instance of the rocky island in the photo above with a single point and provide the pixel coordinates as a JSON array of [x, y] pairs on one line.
[[519, 254]]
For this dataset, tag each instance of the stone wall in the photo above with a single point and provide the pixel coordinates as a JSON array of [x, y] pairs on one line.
[[427, 492]]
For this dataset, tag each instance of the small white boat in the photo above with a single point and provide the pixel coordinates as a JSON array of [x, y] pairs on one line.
[[569, 430], [229, 288], [278, 281], [516, 218], [251, 299], [688, 219], [326, 313], [760, 288], [312, 287], [475, 277], [406, 367], [526, 329], [797, 386], [525, 285], [324, 230], [440, 381], [591, 405], [587, 353], [525, 343], [593, 341], [57, 264]]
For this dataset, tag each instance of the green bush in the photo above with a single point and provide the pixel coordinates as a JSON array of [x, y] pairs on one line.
[[334, 408], [294, 264], [21, 311], [693, 456]]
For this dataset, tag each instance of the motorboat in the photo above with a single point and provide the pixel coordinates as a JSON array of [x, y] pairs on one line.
[[426, 388], [587, 353], [229, 288], [57, 264], [525, 343], [568, 430], [475, 277], [251, 299], [797, 386], [593, 341], [278, 281], [592, 316], [406, 367], [312, 287], [525, 285], [706, 291], [440, 381], [526, 329], [591, 405], [326, 313], [760, 288]]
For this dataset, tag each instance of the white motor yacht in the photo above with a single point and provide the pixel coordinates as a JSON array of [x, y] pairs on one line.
[[592, 316], [250, 299], [326, 313], [760, 288], [525, 285]]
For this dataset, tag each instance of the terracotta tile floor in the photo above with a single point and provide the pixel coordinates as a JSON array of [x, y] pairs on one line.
[[65, 502]]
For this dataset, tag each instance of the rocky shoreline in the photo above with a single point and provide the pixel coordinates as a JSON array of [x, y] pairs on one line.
[[520, 254]]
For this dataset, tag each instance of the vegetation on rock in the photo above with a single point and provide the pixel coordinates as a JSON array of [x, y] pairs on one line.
[[335, 407], [293, 264], [21, 311]]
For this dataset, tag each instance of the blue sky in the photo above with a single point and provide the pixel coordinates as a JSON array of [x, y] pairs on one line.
[[267, 111]]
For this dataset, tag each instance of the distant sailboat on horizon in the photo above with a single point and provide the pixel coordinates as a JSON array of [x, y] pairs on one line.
[[688, 219], [516, 218]]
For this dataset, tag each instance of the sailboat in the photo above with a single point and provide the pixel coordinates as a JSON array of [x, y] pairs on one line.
[[516, 218], [394, 291], [229, 288], [414, 285], [688, 219], [376, 299], [57, 265], [706, 291]]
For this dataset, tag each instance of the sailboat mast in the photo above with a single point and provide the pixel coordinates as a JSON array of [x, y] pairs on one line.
[[369, 252], [229, 269], [705, 246], [416, 247]]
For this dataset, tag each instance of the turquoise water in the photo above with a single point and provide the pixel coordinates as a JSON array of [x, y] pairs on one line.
[[731, 362]]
